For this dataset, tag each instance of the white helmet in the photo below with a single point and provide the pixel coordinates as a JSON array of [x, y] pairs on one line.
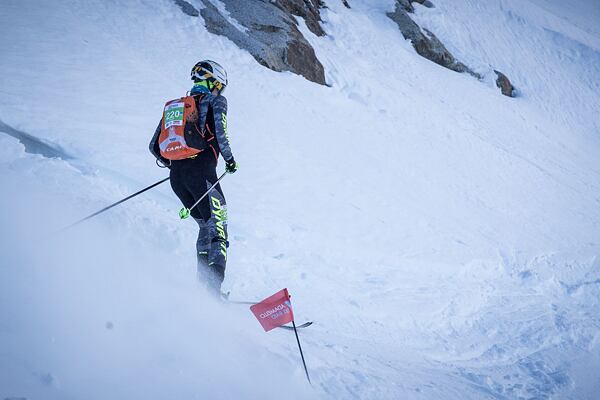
[[212, 72]]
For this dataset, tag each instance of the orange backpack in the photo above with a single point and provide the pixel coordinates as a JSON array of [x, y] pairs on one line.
[[180, 137]]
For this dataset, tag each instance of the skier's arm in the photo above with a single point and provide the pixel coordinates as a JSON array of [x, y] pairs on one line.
[[219, 107], [155, 149]]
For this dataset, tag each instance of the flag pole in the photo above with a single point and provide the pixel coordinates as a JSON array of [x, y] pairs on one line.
[[301, 354]]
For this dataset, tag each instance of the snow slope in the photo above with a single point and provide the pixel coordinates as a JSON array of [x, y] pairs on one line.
[[443, 237]]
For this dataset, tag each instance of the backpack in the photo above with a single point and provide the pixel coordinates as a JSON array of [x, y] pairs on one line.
[[180, 136]]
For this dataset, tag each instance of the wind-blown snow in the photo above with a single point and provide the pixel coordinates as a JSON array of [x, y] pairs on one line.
[[443, 237]]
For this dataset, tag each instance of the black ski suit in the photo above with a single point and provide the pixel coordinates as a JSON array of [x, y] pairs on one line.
[[191, 178]]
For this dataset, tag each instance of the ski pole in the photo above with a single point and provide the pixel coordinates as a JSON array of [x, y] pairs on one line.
[[113, 205], [185, 212], [301, 353]]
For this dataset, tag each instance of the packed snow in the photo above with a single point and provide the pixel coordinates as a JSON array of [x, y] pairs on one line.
[[443, 238]]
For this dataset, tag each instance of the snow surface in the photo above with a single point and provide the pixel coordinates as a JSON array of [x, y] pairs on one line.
[[444, 238]]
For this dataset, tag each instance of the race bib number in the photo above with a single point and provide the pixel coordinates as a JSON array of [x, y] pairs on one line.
[[173, 115]]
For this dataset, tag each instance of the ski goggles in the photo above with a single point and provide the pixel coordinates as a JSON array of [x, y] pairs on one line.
[[203, 74]]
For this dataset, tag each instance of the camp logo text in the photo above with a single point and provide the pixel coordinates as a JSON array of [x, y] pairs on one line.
[[173, 148]]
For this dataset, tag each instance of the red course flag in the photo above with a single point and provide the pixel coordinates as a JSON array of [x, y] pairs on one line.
[[274, 311]]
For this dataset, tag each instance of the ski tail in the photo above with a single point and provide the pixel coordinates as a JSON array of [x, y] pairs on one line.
[[291, 328]]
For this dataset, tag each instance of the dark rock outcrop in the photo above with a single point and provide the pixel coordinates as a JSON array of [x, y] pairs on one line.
[[504, 84], [406, 5], [270, 33], [425, 42], [187, 8], [307, 9], [429, 46], [425, 3], [345, 2]]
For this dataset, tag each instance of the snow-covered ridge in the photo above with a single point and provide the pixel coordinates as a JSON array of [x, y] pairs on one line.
[[443, 238]]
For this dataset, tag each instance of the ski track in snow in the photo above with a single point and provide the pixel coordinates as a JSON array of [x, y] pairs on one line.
[[442, 237]]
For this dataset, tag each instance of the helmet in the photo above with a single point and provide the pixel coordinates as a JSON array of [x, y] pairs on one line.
[[212, 72]]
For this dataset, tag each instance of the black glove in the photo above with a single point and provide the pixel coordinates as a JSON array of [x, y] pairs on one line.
[[231, 166]]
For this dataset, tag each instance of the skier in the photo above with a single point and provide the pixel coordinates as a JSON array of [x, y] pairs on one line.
[[188, 140]]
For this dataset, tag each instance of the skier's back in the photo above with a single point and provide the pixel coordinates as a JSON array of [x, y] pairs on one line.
[[189, 139]]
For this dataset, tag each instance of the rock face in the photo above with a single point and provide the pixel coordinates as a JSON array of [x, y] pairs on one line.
[[268, 30], [429, 46], [270, 33], [425, 42], [504, 84], [187, 8], [307, 9], [426, 3]]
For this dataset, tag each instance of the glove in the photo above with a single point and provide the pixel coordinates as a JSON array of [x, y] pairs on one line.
[[231, 166]]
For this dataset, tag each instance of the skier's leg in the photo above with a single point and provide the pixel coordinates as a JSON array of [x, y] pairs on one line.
[[202, 246], [212, 236], [203, 243], [180, 178], [213, 210], [217, 225]]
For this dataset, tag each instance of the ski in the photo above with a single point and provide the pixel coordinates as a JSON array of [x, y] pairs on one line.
[[225, 297], [291, 328]]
